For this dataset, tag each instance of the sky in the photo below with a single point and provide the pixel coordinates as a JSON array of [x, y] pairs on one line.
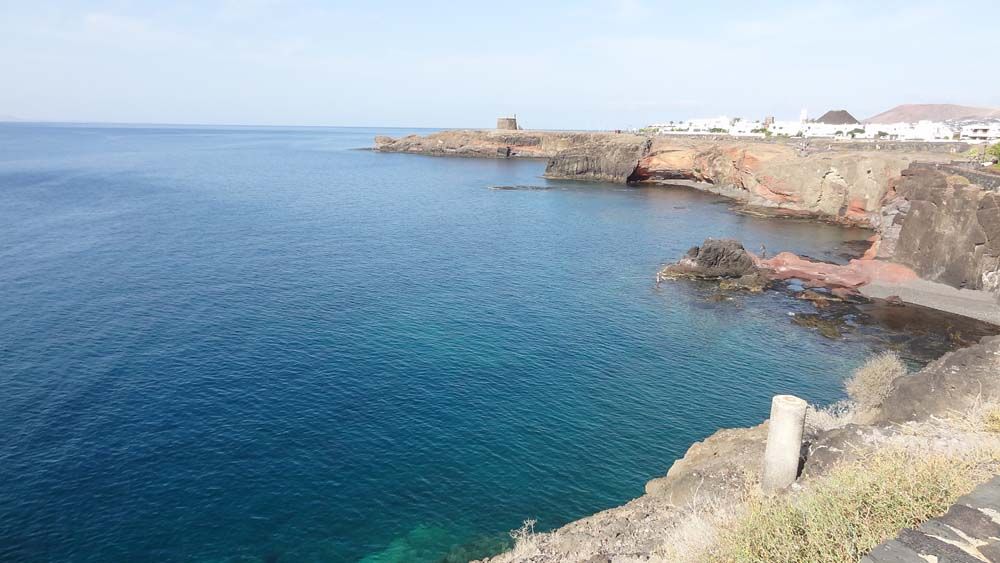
[[557, 65]]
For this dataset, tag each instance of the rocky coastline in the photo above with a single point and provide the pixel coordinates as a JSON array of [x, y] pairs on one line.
[[935, 243], [837, 182], [936, 240]]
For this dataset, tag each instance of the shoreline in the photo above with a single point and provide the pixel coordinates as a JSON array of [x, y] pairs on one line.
[[971, 303]]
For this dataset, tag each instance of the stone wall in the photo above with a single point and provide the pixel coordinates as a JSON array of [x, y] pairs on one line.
[[971, 171], [969, 527]]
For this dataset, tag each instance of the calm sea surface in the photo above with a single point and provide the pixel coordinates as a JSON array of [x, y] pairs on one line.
[[260, 344]]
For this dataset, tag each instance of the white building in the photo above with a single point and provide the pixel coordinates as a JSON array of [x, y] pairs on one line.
[[926, 131], [981, 132], [834, 130], [710, 126], [922, 131], [746, 128], [788, 128]]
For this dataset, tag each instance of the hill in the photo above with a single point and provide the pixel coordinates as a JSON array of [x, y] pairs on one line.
[[911, 113], [837, 117]]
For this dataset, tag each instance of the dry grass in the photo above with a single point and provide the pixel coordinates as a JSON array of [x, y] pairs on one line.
[[991, 421], [854, 508], [870, 384], [697, 532], [982, 416], [525, 541], [867, 388]]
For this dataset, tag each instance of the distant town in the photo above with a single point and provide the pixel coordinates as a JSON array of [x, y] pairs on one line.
[[836, 125]]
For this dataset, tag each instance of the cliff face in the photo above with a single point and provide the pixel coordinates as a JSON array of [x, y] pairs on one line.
[[840, 185], [608, 159], [943, 227]]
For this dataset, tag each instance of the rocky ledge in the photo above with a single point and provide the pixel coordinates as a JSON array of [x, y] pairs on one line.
[[602, 157], [729, 263]]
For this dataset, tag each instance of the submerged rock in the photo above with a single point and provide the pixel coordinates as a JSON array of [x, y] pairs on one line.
[[819, 299], [830, 327], [521, 187]]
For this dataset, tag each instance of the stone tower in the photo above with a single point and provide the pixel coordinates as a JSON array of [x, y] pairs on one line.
[[507, 123]]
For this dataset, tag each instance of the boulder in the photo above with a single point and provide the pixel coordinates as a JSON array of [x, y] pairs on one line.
[[717, 467], [954, 383], [714, 259]]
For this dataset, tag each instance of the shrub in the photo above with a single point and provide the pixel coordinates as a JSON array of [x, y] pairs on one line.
[[525, 539], [991, 420], [870, 384], [837, 415], [843, 516], [994, 151]]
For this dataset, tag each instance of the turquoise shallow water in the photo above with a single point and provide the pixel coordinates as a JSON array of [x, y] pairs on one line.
[[262, 345]]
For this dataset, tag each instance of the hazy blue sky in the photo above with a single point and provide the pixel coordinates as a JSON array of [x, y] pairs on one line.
[[599, 64]]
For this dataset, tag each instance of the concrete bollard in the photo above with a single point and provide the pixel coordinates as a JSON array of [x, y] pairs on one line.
[[784, 442]]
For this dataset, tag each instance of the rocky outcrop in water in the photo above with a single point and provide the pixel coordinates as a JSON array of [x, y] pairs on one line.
[[718, 259], [715, 258]]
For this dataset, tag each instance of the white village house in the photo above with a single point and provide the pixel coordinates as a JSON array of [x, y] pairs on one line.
[[834, 124]]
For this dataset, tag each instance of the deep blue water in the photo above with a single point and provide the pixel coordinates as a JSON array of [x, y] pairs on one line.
[[261, 344]]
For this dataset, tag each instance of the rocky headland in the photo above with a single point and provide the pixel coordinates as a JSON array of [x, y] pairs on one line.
[[592, 156]]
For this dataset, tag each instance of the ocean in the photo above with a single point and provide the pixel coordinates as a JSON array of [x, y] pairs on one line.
[[265, 344]]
